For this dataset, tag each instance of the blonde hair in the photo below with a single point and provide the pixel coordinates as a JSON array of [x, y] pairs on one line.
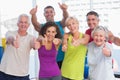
[[71, 18]]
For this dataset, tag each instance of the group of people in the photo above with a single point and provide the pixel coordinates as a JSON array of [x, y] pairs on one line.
[[61, 55]]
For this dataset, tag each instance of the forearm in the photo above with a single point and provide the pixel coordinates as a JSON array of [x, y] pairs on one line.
[[65, 15], [85, 39], [116, 41], [35, 22]]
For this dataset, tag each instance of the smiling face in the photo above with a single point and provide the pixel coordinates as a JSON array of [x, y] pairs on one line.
[[99, 37], [49, 14], [72, 24], [92, 21], [23, 23], [50, 33]]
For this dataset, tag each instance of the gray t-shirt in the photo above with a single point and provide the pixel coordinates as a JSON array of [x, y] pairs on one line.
[[100, 66]]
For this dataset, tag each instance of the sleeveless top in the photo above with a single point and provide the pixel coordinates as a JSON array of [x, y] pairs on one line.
[[48, 65], [60, 54], [73, 63]]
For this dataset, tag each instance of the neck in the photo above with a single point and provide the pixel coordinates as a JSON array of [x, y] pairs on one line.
[[76, 35], [50, 20], [22, 33]]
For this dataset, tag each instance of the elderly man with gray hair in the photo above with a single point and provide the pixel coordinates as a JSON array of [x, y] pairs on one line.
[[15, 60]]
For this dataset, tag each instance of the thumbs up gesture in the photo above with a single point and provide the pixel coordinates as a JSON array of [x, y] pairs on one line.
[[33, 11], [106, 51], [56, 41], [36, 44], [16, 42]]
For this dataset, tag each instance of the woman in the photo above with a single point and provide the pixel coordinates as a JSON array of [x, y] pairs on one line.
[[74, 46], [48, 49], [99, 56]]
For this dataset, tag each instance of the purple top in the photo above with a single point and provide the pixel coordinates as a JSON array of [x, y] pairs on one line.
[[48, 64]]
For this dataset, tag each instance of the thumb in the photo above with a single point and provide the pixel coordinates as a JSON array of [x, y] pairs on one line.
[[17, 37]]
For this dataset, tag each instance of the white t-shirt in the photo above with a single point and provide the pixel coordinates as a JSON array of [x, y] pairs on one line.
[[15, 61]]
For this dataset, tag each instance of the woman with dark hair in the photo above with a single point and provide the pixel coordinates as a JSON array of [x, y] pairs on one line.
[[50, 39]]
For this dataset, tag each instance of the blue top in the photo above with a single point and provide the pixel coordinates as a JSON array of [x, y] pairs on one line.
[[60, 55], [1, 52]]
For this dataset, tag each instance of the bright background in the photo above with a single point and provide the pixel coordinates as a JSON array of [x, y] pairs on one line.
[[109, 11]]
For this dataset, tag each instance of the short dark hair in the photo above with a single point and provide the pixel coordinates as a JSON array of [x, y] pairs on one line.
[[48, 7], [49, 24], [92, 13]]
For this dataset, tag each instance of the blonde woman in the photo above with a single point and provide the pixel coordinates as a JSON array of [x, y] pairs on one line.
[[74, 46]]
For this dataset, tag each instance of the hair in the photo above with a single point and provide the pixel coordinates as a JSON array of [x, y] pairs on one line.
[[98, 28], [48, 7], [50, 24], [23, 15], [93, 13], [71, 18]]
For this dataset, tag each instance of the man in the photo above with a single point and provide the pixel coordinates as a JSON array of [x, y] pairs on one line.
[[49, 14], [93, 21], [15, 61]]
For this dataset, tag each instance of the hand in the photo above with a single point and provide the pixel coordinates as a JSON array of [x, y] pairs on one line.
[[16, 42], [33, 11], [45, 39], [40, 38], [56, 41], [64, 48], [36, 44], [63, 6], [106, 51], [76, 42]]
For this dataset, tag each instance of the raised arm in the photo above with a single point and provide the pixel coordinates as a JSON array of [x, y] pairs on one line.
[[35, 23], [65, 13], [114, 39]]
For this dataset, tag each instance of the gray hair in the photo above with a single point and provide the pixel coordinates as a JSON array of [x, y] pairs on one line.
[[98, 28], [23, 15]]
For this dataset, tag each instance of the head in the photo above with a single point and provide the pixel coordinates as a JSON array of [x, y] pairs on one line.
[[49, 13], [92, 19], [51, 30], [23, 22], [99, 35], [72, 24]]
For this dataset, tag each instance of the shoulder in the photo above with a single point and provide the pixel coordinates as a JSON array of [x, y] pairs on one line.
[[11, 33], [66, 35], [90, 44], [58, 23], [30, 36], [88, 31], [109, 45]]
